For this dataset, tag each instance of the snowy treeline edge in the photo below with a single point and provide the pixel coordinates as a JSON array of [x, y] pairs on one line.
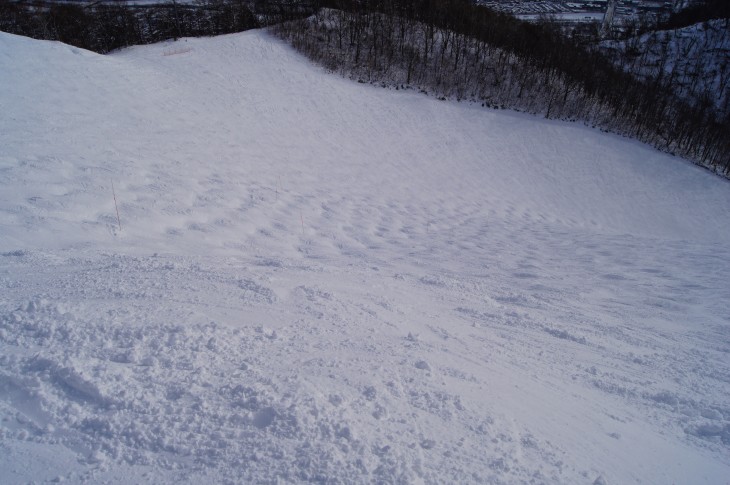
[[466, 52]]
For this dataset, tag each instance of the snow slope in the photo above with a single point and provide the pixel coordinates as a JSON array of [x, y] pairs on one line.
[[317, 280]]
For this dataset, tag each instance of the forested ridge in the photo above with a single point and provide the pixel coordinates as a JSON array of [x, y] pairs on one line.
[[103, 27], [447, 48]]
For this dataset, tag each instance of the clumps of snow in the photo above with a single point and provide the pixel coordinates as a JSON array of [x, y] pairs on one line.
[[423, 365], [186, 397], [130, 386], [256, 292], [564, 334], [666, 397], [712, 432]]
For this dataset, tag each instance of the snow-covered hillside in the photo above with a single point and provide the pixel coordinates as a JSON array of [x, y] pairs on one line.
[[693, 61], [319, 280]]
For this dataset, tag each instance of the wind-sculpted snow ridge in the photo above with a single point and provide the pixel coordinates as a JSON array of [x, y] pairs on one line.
[[316, 280]]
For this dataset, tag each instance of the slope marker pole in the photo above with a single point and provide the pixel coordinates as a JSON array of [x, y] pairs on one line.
[[116, 207]]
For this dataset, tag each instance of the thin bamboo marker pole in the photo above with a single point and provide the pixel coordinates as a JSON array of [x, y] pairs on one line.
[[302, 219], [115, 206]]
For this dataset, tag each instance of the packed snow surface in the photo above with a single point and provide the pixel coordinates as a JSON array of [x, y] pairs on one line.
[[313, 279]]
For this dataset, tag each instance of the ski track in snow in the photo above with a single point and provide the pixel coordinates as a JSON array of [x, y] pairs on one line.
[[317, 280]]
